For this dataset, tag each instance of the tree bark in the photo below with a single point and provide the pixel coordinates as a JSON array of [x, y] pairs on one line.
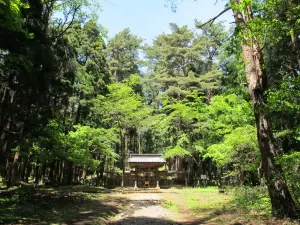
[[37, 173], [283, 204], [43, 173], [139, 144], [51, 172], [125, 152], [22, 170], [61, 168], [70, 173], [14, 171], [28, 171], [83, 174]]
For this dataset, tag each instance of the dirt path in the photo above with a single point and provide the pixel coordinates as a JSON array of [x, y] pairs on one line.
[[145, 208], [171, 207], [184, 214]]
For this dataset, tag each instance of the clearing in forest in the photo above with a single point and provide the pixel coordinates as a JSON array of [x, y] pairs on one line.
[[185, 206], [88, 205]]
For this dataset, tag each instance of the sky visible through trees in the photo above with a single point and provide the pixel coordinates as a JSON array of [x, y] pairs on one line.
[[217, 98], [153, 17]]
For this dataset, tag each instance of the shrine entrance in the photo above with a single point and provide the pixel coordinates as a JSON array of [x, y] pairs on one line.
[[146, 169]]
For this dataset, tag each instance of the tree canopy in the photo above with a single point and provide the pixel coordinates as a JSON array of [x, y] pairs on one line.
[[215, 101]]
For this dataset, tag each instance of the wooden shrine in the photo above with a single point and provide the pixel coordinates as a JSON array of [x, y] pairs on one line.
[[146, 169]]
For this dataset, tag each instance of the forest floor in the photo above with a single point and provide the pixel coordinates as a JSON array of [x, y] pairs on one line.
[[187, 206], [89, 205]]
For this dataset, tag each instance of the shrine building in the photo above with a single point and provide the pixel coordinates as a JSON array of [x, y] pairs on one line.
[[146, 169]]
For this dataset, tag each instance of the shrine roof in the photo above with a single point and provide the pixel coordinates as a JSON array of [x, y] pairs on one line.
[[146, 158]]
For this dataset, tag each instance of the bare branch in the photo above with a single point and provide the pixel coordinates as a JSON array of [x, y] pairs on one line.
[[76, 8], [212, 20]]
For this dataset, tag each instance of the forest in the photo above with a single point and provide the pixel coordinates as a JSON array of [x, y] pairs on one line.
[[75, 103]]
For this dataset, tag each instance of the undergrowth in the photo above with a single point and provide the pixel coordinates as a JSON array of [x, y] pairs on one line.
[[252, 199]]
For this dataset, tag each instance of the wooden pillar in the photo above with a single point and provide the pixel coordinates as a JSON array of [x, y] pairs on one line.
[[136, 179], [157, 178], [147, 180], [156, 175]]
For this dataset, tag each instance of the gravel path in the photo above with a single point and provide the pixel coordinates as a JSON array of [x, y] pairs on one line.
[[145, 208]]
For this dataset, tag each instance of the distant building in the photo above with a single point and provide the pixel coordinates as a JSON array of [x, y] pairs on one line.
[[146, 170]]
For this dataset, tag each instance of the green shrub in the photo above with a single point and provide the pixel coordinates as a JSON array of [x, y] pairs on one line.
[[252, 199], [291, 167]]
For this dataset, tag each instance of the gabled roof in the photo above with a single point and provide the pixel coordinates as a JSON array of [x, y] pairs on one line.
[[146, 158]]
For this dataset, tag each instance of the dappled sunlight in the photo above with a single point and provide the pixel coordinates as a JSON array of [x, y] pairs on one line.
[[195, 121]]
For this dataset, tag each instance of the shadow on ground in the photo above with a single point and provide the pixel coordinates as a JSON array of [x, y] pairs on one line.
[[154, 221], [209, 218], [34, 206], [143, 221]]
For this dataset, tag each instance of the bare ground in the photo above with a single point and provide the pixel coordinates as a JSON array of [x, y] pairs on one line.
[[150, 208], [100, 206], [144, 208]]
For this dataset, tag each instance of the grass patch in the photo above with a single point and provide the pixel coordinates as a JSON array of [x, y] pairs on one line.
[[253, 201], [242, 205], [206, 199], [170, 205]]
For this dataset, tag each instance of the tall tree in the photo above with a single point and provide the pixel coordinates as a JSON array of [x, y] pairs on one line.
[[37, 72], [123, 54], [184, 61], [123, 109], [249, 25], [282, 201], [92, 72]]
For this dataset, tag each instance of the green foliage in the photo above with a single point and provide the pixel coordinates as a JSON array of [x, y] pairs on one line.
[[291, 166], [72, 103], [239, 147], [136, 83], [123, 54], [180, 123], [51, 143], [122, 107], [183, 61], [92, 72], [10, 11], [224, 114], [176, 151], [285, 98], [253, 199], [86, 142]]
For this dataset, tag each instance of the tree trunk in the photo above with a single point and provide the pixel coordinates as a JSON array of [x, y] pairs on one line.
[[61, 167], [51, 172], [22, 170], [283, 204], [70, 173], [4, 148], [14, 171], [139, 144], [294, 36], [43, 173], [101, 173], [28, 171], [125, 149], [37, 173], [83, 174], [3, 161]]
